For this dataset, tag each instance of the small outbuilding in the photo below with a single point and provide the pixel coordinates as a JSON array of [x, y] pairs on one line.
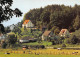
[[64, 33], [47, 34], [27, 39], [2, 36]]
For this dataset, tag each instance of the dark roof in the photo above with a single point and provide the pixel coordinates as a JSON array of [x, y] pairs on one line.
[[27, 38]]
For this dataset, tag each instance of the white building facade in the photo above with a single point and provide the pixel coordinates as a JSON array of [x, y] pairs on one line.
[[27, 24]]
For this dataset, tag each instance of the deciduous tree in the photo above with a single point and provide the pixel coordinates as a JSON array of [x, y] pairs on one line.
[[6, 12]]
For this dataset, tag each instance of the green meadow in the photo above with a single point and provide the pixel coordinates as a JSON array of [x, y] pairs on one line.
[[33, 55]]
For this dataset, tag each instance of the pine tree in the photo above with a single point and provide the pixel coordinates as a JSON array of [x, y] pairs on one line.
[[76, 24]]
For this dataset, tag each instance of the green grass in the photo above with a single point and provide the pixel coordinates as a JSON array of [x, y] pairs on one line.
[[46, 43], [32, 55], [49, 44], [2, 51]]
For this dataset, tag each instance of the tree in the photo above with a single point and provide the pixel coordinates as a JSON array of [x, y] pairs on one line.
[[4, 44], [45, 16], [19, 24], [53, 43], [2, 30], [33, 15], [12, 39], [7, 29], [63, 45], [73, 39], [55, 29], [6, 12], [16, 30], [54, 15], [76, 24]]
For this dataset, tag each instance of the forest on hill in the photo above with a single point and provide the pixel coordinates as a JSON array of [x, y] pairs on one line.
[[55, 17]]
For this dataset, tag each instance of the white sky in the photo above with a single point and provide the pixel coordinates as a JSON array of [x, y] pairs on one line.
[[26, 5]]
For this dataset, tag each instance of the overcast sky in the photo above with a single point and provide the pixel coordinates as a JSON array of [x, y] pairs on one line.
[[26, 5]]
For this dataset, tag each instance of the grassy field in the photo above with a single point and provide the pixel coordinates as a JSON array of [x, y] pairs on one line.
[[44, 53], [46, 43], [49, 44], [32, 55]]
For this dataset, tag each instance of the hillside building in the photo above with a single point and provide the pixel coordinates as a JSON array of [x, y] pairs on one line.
[[27, 24], [64, 33]]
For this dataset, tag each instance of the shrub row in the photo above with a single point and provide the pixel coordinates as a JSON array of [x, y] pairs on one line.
[[72, 48], [33, 46]]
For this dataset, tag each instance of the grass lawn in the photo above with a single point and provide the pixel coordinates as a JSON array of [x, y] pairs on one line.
[[46, 43], [49, 44], [32, 55]]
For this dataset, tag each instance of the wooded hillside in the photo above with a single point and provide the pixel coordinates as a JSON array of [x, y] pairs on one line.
[[56, 16]]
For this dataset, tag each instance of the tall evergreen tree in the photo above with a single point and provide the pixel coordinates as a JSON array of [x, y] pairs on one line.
[[76, 24]]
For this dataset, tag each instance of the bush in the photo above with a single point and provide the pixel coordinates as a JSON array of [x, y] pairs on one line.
[[35, 46], [53, 42], [11, 40], [73, 39], [55, 29], [54, 47], [63, 45], [4, 45], [68, 41]]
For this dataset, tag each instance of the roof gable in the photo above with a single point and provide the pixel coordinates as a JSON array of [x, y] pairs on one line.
[[63, 31], [46, 33], [26, 21]]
